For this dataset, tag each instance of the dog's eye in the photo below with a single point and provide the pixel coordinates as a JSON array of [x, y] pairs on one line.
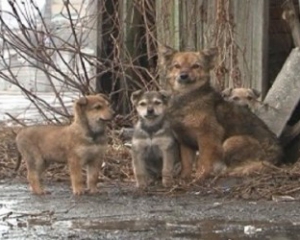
[[176, 65], [249, 98], [235, 98], [98, 107], [157, 102], [142, 104], [196, 65]]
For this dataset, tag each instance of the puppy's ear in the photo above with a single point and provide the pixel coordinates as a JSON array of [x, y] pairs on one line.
[[255, 92], [226, 92], [166, 54], [82, 101], [102, 95], [210, 57], [135, 96], [166, 95]]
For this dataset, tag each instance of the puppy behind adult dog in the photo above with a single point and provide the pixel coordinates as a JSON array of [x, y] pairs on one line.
[[81, 143], [154, 150], [243, 97], [228, 136]]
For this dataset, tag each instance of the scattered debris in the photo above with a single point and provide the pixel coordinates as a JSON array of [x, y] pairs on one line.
[[283, 198], [277, 184], [250, 230]]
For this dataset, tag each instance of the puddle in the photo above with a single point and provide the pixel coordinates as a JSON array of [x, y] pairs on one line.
[[205, 229], [55, 217]]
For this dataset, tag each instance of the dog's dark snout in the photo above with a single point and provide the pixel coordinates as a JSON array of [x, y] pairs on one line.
[[183, 75], [150, 110]]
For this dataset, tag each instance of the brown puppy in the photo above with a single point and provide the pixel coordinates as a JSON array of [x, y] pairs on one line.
[[243, 97], [227, 135], [81, 143], [154, 148]]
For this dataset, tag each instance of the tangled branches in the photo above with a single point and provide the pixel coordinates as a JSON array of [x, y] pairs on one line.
[[110, 46]]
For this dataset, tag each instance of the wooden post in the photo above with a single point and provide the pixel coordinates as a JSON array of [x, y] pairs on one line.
[[291, 17], [289, 14], [283, 96], [168, 28], [251, 20]]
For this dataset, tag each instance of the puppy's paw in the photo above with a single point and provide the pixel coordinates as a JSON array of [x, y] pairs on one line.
[[142, 181], [39, 191], [93, 190], [79, 191], [201, 175], [167, 181], [42, 192]]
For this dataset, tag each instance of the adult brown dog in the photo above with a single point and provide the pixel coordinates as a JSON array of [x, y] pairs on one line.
[[227, 135], [81, 143]]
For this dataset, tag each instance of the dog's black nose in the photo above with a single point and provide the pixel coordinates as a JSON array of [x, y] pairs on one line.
[[150, 110], [184, 75]]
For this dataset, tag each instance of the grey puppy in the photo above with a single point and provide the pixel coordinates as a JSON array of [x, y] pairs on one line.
[[154, 149]]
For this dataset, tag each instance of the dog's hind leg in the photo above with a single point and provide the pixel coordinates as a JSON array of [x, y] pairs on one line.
[[35, 168], [243, 155]]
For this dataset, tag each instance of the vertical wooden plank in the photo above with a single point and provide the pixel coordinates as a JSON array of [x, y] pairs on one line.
[[260, 46], [201, 10], [205, 26], [168, 22], [251, 25], [130, 24], [189, 19], [205, 14], [168, 28]]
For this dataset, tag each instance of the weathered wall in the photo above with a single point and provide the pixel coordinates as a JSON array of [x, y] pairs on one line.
[[237, 27]]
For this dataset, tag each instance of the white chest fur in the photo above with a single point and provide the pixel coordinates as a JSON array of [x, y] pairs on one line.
[[161, 141]]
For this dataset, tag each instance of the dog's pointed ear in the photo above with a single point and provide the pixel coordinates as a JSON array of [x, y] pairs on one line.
[[166, 53], [166, 95], [102, 95], [255, 92], [210, 57], [226, 92], [81, 101], [135, 96]]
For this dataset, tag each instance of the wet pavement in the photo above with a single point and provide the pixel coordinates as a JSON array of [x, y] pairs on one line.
[[123, 213]]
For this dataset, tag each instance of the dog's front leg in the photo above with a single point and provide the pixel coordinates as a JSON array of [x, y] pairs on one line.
[[168, 166], [211, 150], [187, 156], [76, 175], [139, 169], [93, 169]]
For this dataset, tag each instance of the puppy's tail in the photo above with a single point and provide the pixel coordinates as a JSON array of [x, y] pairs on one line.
[[18, 163]]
